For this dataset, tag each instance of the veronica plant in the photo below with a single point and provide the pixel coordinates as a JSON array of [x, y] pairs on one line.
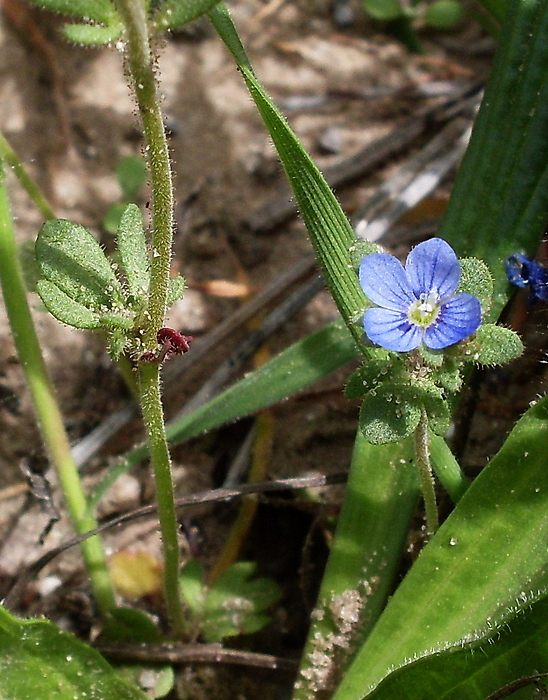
[[428, 316]]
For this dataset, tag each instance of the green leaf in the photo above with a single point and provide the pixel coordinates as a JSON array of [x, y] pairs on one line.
[[96, 10], [111, 220], [329, 229], [383, 10], [519, 650], [487, 561], [174, 14], [134, 258], [128, 625], [295, 368], [38, 660], [193, 587], [119, 321], [497, 8], [439, 417], [373, 372], [494, 345], [476, 280], [389, 413], [448, 376], [235, 601], [70, 257], [131, 172], [360, 249], [499, 201], [381, 499], [93, 34], [66, 309], [176, 289], [444, 14]]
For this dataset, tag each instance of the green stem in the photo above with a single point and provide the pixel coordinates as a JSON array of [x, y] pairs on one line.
[[49, 417], [8, 155], [141, 69], [151, 407], [422, 453]]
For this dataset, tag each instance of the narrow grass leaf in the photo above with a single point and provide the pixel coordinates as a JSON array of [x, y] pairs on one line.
[[328, 227], [500, 199]]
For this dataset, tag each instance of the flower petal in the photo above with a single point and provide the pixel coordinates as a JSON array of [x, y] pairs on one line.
[[385, 282], [459, 318], [433, 266], [391, 330]]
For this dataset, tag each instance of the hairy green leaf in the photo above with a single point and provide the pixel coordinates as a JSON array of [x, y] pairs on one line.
[[499, 202], [38, 660], [518, 651], [93, 34], [486, 562], [328, 227], [176, 289], [476, 280], [95, 10], [131, 172], [389, 413], [66, 309], [70, 257], [494, 345], [174, 14], [236, 601], [134, 257]]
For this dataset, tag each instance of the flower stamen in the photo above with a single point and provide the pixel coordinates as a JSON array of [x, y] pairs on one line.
[[425, 310]]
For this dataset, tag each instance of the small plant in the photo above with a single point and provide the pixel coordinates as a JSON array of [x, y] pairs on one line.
[[480, 581], [234, 604]]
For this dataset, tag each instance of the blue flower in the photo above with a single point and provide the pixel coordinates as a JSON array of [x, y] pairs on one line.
[[417, 303], [523, 272]]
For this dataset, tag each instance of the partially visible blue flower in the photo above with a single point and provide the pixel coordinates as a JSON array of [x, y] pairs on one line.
[[417, 304], [523, 272]]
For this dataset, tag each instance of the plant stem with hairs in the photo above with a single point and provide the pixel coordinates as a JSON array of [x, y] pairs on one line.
[[140, 62]]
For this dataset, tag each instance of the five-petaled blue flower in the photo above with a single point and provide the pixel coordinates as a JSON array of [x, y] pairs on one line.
[[417, 303]]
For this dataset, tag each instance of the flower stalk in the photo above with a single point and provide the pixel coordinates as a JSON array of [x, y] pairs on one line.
[[141, 68]]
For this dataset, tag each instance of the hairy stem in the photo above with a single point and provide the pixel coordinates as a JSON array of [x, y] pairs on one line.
[[422, 453], [151, 407], [49, 416], [141, 69]]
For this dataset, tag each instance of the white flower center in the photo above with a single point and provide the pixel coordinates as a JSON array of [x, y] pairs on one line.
[[425, 310]]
